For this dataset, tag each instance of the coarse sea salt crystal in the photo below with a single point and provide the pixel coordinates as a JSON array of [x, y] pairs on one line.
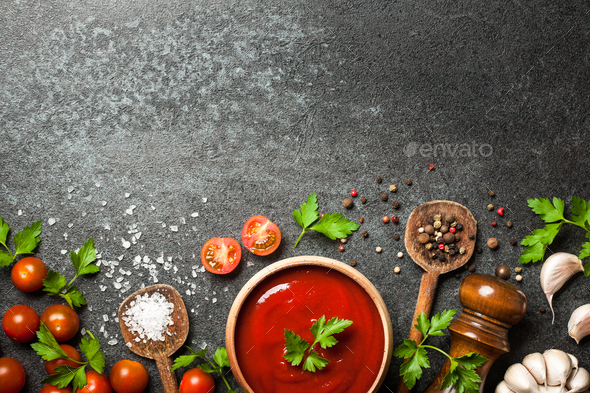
[[70, 189], [148, 317], [125, 243], [113, 341], [64, 252], [127, 195], [19, 212], [204, 200], [173, 228], [51, 221], [130, 210], [195, 214]]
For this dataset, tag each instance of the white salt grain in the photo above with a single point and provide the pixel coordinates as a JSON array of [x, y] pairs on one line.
[[204, 200], [127, 195], [173, 228], [70, 189], [19, 212], [104, 203], [130, 210], [125, 243], [64, 252], [113, 341], [51, 221], [195, 214], [149, 317]]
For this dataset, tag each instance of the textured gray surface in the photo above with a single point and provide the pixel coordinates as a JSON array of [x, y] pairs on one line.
[[254, 105]]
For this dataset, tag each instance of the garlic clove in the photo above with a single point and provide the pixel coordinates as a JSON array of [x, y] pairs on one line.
[[557, 269], [579, 324], [579, 382], [520, 380], [535, 363], [559, 367], [503, 388], [554, 389], [574, 365]]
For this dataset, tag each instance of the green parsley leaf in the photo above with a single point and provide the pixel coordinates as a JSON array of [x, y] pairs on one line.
[[579, 210], [47, 347], [220, 357], [440, 322], [471, 361], [84, 257], [423, 324], [79, 380], [186, 360], [587, 269], [309, 212], [4, 228], [74, 297], [5, 258], [451, 377], [335, 226], [411, 369], [64, 376], [537, 242], [547, 211], [314, 360], [53, 283], [466, 381], [323, 331], [206, 368], [26, 241], [406, 350], [296, 348], [90, 347]]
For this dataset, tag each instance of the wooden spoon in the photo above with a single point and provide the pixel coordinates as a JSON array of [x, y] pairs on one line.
[[160, 351], [433, 267]]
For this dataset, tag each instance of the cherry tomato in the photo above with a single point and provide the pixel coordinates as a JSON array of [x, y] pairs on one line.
[[221, 255], [62, 321], [28, 274], [51, 365], [128, 377], [20, 323], [196, 380], [96, 383], [12, 376], [261, 236], [55, 389]]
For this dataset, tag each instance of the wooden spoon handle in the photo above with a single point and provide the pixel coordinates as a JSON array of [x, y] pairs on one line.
[[424, 304], [167, 375]]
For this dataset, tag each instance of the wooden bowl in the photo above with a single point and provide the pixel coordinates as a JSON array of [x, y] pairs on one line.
[[305, 261]]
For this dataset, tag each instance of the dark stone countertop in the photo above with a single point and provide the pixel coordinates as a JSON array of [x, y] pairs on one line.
[[254, 105]]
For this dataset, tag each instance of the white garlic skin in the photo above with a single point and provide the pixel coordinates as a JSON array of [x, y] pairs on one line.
[[503, 388], [575, 364], [579, 323], [557, 269], [559, 367], [579, 382], [520, 380], [535, 363]]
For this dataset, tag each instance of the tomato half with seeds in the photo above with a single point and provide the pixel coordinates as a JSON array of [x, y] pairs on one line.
[[221, 255], [261, 236]]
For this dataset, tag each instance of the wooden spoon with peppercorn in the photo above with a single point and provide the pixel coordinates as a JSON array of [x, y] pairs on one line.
[[426, 253]]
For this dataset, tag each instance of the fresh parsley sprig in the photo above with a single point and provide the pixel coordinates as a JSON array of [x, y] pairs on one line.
[[553, 214], [49, 349], [220, 357], [461, 373], [25, 242], [333, 225], [55, 283], [323, 333]]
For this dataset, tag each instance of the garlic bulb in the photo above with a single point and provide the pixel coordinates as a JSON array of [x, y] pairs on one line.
[[579, 324], [535, 363], [503, 388], [557, 269], [520, 380], [559, 367], [578, 382]]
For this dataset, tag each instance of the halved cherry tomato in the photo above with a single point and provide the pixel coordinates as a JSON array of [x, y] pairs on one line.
[[221, 255], [12, 376], [261, 236], [128, 376], [62, 321], [196, 380], [20, 323], [96, 383], [28, 274], [54, 389], [51, 365]]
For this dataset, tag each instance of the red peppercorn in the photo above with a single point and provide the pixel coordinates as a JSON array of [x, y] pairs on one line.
[[494, 223], [341, 248], [395, 219], [353, 193], [321, 215], [385, 219], [441, 246], [501, 211], [452, 229]]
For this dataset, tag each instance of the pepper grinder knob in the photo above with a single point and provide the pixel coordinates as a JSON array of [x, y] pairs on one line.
[[491, 306]]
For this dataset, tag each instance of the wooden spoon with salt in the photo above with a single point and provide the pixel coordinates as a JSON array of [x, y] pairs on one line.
[[160, 351]]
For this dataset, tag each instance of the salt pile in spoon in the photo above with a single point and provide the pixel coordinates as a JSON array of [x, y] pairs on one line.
[[149, 317]]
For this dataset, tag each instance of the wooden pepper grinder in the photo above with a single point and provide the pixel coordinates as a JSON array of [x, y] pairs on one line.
[[491, 306]]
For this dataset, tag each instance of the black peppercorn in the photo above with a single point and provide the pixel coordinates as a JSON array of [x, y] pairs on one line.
[[363, 200], [441, 257], [491, 193], [365, 234], [395, 205], [472, 236], [451, 251], [472, 268], [384, 197], [435, 245], [409, 182], [379, 180], [459, 227], [396, 236], [513, 242]]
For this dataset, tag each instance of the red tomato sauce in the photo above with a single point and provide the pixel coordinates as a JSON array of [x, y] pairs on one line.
[[294, 299]]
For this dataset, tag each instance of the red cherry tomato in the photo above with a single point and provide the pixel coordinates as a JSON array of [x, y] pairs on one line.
[[20, 323], [12, 376], [96, 383], [261, 236], [62, 321], [55, 389], [196, 380], [51, 365], [28, 274], [221, 255], [128, 377]]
